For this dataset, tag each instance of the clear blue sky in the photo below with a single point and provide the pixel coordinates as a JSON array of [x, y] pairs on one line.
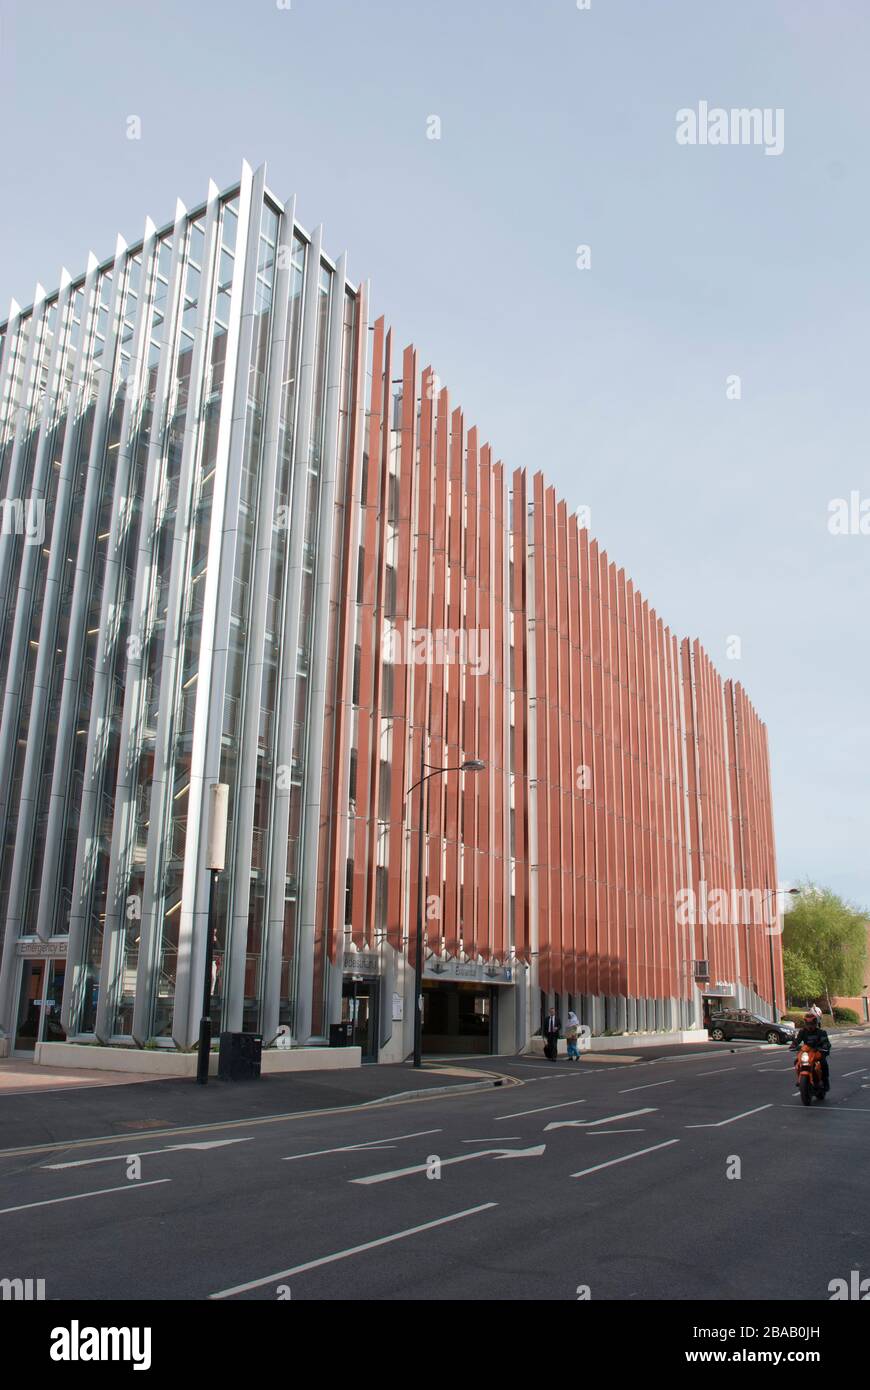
[[558, 128]]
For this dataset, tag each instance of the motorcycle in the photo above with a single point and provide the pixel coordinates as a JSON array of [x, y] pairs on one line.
[[809, 1077]]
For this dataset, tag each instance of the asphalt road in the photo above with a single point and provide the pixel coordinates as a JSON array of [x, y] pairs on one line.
[[613, 1176]]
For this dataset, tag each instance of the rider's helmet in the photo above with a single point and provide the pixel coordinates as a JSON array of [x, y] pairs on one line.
[[810, 1018]]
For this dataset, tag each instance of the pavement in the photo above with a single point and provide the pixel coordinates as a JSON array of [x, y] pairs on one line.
[[18, 1077], [673, 1177]]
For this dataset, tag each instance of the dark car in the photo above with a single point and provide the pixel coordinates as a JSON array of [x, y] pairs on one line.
[[727, 1024]]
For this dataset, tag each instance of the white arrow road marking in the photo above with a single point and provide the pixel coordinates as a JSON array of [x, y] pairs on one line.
[[608, 1119], [354, 1250], [717, 1124], [144, 1153], [625, 1157], [79, 1196], [534, 1152], [540, 1108], [647, 1087], [373, 1144]]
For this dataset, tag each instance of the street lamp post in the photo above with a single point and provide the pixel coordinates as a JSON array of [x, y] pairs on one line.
[[215, 858], [772, 895], [469, 765]]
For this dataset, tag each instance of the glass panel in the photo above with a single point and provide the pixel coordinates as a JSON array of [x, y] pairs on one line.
[[29, 1005], [52, 1030]]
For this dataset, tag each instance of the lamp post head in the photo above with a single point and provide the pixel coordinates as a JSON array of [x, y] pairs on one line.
[[472, 765]]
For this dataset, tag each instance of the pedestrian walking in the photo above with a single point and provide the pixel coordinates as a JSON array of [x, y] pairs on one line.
[[572, 1033], [552, 1029]]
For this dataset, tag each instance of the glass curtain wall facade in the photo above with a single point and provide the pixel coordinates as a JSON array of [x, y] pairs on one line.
[[169, 443], [245, 539]]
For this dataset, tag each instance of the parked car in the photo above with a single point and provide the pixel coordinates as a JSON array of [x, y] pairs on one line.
[[726, 1024]]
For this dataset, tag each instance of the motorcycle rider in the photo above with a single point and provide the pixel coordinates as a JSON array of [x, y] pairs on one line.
[[813, 1035]]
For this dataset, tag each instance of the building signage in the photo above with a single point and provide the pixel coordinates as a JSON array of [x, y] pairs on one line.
[[361, 963], [486, 973], [56, 947]]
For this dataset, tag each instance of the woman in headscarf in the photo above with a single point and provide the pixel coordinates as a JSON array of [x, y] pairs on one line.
[[572, 1030]]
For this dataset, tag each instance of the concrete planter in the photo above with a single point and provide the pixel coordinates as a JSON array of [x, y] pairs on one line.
[[277, 1059], [162, 1062]]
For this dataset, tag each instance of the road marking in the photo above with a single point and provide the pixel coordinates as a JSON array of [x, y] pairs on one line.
[[354, 1250], [369, 1144], [497, 1139], [625, 1158], [855, 1073], [717, 1124], [79, 1196], [605, 1132], [780, 1069], [145, 1153], [608, 1119], [717, 1071], [690, 1057], [364, 1108], [539, 1108], [647, 1087], [833, 1109], [535, 1152]]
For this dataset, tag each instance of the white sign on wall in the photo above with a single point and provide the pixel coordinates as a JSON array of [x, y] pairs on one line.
[[54, 947]]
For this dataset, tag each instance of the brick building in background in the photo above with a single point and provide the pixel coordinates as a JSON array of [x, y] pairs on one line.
[[268, 550]]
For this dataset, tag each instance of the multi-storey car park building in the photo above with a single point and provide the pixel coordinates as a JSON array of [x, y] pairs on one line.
[[247, 540]]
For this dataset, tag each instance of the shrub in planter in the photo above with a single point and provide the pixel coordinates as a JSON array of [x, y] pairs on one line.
[[842, 1015]]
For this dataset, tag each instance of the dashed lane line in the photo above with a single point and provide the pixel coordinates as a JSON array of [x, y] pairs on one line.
[[80, 1196], [647, 1087], [717, 1124], [367, 1144], [611, 1163], [353, 1250], [562, 1105]]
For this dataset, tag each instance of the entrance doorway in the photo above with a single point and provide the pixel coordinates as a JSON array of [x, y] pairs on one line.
[[39, 1004], [717, 1004], [359, 1007], [458, 1018]]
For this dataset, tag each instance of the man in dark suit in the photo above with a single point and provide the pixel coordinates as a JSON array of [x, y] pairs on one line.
[[551, 1030]]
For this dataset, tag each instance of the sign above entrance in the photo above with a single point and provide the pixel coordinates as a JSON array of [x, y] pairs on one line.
[[57, 946], [485, 973], [361, 963]]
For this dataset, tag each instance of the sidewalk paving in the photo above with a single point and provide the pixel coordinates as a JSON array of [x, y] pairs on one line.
[[20, 1077]]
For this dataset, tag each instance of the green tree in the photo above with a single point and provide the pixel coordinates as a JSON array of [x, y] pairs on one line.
[[824, 945], [802, 980]]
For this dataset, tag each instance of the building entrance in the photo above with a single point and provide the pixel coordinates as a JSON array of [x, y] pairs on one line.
[[39, 1001], [458, 1017], [359, 1007]]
